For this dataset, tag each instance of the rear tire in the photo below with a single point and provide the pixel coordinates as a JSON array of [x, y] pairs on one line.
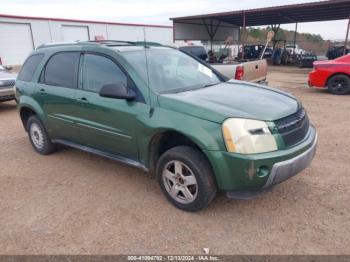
[[186, 178], [339, 85], [38, 136]]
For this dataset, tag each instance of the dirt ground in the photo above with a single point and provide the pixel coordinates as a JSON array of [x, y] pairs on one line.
[[73, 202]]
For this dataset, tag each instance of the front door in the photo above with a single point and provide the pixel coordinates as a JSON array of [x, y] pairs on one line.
[[106, 124]]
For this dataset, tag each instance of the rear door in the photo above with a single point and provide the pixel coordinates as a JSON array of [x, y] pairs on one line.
[[106, 124], [57, 95]]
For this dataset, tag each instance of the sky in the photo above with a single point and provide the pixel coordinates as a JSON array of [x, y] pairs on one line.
[[156, 11]]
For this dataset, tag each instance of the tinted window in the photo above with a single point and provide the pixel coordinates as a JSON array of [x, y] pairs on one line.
[[29, 67], [197, 51], [100, 71], [62, 70]]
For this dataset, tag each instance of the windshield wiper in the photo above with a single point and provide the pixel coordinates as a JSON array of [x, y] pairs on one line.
[[186, 89], [208, 85]]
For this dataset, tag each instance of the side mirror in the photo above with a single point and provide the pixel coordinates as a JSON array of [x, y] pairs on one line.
[[118, 91]]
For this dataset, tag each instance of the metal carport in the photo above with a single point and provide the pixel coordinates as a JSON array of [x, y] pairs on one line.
[[274, 16]]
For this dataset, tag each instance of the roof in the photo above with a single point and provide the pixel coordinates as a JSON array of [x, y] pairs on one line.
[[307, 12], [78, 21]]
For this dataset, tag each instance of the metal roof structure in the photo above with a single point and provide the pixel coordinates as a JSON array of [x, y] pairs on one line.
[[296, 13]]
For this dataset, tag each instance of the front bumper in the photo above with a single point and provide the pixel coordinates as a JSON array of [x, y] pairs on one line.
[[7, 94], [247, 174], [280, 172], [317, 79], [284, 170]]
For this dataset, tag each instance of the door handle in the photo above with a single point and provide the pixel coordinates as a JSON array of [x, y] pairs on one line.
[[42, 91], [257, 67], [83, 99]]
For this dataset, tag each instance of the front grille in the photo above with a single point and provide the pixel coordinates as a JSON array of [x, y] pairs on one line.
[[7, 83], [293, 128]]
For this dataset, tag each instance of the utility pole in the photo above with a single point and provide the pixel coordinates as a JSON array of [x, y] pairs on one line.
[[295, 36]]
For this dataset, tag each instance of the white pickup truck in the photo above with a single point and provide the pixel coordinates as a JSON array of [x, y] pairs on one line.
[[251, 71]]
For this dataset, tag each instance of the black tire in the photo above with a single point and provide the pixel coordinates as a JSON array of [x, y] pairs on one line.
[[38, 136], [339, 85], [194, 163]]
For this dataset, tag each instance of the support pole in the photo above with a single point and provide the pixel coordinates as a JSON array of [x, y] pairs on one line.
[[211, 35], [295, 37], [243, 31], [347, 37]]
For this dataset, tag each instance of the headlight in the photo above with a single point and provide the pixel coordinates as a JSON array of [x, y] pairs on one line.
[[246, 136]]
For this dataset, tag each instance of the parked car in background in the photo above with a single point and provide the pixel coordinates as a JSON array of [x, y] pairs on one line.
[[251, 71], [306, 60], [295, 50], [333, 75], [334, 52], [268, 52], [7, 83], [165, 112], [197, 51], [251, 51]]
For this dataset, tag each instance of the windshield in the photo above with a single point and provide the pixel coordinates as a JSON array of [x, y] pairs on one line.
[[170, 71]]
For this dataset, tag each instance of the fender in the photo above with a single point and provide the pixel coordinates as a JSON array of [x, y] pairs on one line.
[[26, 101], [205, 134]]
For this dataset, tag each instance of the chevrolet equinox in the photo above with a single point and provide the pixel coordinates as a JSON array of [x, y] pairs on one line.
[[166, 112]]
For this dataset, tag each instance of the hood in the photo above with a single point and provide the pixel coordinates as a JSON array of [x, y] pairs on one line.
[[7, 76], [232, 99]]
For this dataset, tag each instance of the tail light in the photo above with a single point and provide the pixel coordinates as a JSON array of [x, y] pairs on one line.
[[239, 72]]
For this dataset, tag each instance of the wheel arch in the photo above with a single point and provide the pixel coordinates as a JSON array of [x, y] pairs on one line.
[[336, 74], [25, 113], [28, 108], [165, 140]]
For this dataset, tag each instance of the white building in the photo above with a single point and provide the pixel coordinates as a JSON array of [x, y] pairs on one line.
[[19, 35]]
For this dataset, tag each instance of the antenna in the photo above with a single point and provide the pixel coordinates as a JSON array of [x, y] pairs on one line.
[[146, 60]]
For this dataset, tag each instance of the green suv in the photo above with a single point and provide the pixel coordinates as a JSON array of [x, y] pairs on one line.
[[166, 112]]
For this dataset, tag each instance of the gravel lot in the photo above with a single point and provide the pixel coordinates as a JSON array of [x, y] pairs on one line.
[[73, 202]]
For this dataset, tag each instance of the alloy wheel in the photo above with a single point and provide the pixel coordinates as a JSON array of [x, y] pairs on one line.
[[180, 182]]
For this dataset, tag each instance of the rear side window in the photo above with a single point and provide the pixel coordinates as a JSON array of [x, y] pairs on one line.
[[100, 71], [29, 67], [62, 70]]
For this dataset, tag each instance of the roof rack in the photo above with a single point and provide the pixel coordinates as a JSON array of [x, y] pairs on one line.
[[101, 42], [55, 44], [111, 42]]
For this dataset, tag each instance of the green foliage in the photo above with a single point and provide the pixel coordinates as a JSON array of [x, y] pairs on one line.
[[259, 34]]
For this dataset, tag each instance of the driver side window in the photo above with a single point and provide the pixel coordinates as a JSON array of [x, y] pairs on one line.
[[99, 71]]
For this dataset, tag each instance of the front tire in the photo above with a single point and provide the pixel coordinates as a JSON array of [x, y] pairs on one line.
[[339, 84], [38, 136], [186, 178]]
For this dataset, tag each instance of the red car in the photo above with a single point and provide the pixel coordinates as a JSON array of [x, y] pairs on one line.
[[333, 75]]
